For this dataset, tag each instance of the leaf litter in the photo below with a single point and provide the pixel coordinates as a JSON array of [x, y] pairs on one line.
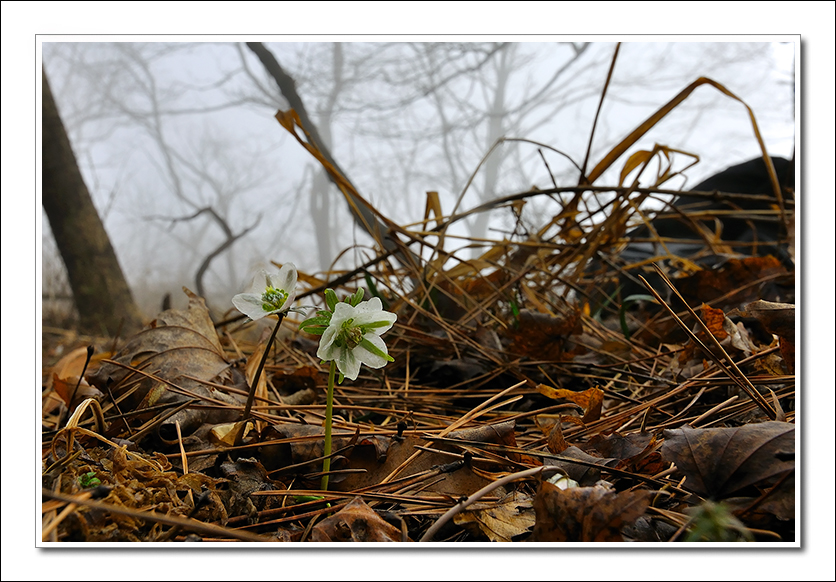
[[529, 400]]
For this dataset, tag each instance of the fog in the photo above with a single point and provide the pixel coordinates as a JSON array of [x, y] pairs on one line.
[[165, 130]]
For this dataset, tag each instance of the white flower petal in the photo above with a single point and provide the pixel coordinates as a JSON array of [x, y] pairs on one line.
[[373, 304], [286, 279], [250, 305], [259, 283], [375, 317], [342, 312], [348, 364], [372, 360], [327, 350]]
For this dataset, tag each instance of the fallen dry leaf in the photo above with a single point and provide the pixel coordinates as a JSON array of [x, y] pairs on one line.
[[721, 461], [513, 516], [778, 319], [356, 522], [176, 347], [585, 514], [590, 400]]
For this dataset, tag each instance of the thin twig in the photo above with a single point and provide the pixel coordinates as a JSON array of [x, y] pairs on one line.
[[428, 536]]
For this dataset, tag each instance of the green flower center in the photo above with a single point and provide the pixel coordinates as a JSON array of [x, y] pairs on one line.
[[273, 299], [348, 336]]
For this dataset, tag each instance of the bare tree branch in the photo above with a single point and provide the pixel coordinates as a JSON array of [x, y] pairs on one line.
[[359, 208]]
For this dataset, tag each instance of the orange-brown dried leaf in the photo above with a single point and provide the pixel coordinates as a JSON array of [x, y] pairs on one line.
[[356, 522], [253, 362], [590, 400], [64, 387], [556, 443], [787, 348], [543, 337], [72, 364], [736, 275], [714, 319]]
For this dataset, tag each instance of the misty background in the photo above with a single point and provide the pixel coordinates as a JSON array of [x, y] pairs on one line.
[[198, 185]]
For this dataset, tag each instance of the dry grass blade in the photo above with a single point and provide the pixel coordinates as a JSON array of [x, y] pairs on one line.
[[733, 372]]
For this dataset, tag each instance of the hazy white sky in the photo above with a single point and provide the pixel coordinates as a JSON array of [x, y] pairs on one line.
[[258, 169]]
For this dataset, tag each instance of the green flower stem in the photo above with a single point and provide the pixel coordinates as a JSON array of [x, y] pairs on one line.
[[329, 410], [251, 396]]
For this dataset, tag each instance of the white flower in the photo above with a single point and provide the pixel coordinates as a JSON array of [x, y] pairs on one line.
[[353, 337], [270, 293]]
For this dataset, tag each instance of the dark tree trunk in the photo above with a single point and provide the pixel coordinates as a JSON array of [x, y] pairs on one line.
[[101, 294]]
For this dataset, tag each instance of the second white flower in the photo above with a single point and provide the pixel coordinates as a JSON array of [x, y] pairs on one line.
[[353, 337]]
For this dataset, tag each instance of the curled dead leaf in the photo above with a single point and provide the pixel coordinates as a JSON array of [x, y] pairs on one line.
[[590, 400]]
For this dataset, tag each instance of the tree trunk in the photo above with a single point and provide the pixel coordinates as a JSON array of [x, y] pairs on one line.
[[101, 294]]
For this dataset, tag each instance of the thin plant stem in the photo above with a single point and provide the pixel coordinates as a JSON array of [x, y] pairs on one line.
[[257, 376], [329, 408]]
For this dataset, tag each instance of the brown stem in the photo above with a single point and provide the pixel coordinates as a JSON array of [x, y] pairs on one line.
[[251, 396]]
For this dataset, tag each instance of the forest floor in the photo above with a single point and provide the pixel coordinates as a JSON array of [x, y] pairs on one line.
[[528, 400]]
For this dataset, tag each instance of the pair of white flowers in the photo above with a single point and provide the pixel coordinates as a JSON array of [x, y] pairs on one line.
[[350, 330]]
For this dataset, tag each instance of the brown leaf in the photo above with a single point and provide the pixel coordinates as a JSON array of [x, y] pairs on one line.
[[253, 361], [583, 474], [177, 345], [585, 514], [356, 522], [64, 387], [590, 400], [301, 379], [72, 364], [707, 285], [309, 445], [618, 446], [778, 319], [714, 320], [511, 517], [787, 353], [541, 336], [501, 434], [462, 482], [721, 461], [556, 443], [245, 476]]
